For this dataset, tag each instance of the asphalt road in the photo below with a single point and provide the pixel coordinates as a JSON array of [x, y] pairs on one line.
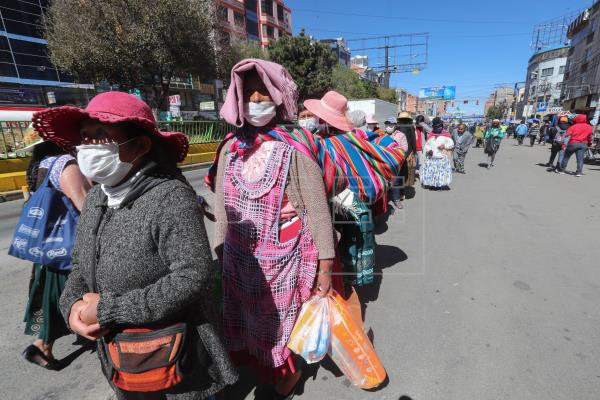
[[487, 291]]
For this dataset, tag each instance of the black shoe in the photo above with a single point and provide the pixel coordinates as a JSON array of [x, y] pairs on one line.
[[35, 356]]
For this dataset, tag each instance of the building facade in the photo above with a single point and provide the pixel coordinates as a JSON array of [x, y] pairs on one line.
[[262, 21], [27, 77], [340, 49], [545, 75], [581, 87]]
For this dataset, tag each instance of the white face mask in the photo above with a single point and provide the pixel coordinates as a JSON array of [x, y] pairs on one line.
[[101, 162], [389, 129], [310, 124], [260, 114]]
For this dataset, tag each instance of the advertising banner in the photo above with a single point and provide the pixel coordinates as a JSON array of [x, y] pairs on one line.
[[438, 93]]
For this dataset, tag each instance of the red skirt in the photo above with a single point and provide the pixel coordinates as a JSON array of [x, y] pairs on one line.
[[266, 375]]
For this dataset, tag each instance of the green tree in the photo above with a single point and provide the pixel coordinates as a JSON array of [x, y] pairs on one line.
[[309, 62], [236, 52], [387, 94], [134, 43], [496, 112], [348, 83]]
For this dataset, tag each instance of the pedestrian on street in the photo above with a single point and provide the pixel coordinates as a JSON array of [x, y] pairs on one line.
[[42, 316], [274, 234], [406, 125], [479, 134], [421, 130], [143, 257], [510, 130], [462, 142], [521, 131], [493, 137], [373, 124], [579, 138], [437, 171], [308, 120], [558, 136], [544, 133], [534, 132]]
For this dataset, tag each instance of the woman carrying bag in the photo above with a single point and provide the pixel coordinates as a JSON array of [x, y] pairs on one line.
[[50, 165], [141, 279]]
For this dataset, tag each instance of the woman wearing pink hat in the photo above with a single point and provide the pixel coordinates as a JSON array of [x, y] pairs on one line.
[[273, 232], [142, 259]]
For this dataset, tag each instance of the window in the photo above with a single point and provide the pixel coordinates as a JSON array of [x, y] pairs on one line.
[[238, 19], [267, 7], [590, 38], [558, 86], [7, 69], [40, 73], [270, 31], [561, 70], [547, 72], [251, 5], [533, 91], [25, 6], [588, 54], [571, 51], [252, 28], [222, 13], [280, 12]]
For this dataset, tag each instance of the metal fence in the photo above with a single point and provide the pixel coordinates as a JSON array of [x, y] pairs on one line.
[[16, 135], [198, 131]]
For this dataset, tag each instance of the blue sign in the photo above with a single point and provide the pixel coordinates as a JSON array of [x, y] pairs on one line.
[[542, 106], [439, 93]]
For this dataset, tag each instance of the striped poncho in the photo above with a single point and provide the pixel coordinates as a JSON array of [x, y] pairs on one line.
[[346, 159]]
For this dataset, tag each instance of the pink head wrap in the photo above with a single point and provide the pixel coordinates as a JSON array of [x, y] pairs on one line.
[[276, 78]]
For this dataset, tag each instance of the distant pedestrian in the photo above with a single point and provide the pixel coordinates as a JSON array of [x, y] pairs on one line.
[[521, 131], [510, 130], [402, 142], [544, 133], [462, 141], [42, 316], [373, 124], [493, 137], [534, 132], [479, 134], [579, 137], [406, 125], [558, 135], [437, 171]]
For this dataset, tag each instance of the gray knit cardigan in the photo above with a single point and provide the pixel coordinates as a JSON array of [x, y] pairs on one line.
[[153, 266]]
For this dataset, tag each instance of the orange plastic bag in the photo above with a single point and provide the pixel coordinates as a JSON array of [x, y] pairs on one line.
[[351, 350]]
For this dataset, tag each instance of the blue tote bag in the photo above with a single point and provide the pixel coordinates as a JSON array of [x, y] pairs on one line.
[[45, 233]]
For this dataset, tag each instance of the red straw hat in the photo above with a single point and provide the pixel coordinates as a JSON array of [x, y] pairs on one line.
[[331, 109], [61, 124]]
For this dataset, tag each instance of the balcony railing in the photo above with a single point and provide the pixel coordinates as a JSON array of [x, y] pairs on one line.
[[15, 136]]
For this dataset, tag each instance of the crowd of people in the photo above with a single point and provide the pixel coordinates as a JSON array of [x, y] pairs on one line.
[[142, 265]]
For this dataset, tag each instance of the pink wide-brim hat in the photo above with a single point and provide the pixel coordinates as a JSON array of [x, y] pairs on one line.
[[371, 119], [62, 124], [332, 109]]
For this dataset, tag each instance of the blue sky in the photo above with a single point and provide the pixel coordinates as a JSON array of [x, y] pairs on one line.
[[473, 45]]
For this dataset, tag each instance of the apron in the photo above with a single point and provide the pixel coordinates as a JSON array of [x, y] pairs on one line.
[[265, 282]]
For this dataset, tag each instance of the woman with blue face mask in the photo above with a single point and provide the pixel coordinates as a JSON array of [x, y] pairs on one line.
[[142, 258]]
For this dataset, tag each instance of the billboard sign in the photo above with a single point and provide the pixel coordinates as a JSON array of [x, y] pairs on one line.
[[438, 93]]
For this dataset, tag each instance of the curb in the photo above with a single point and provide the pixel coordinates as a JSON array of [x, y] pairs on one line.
[[11, 196]]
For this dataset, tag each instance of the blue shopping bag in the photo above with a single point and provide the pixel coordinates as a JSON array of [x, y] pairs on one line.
[[45, 233]]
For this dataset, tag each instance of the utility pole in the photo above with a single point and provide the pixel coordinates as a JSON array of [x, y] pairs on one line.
[[387, 64]]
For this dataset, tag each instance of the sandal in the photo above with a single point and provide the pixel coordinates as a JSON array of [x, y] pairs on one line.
[[35, 356]]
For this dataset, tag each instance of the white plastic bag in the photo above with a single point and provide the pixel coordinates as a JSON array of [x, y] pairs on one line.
[[311, 336]]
